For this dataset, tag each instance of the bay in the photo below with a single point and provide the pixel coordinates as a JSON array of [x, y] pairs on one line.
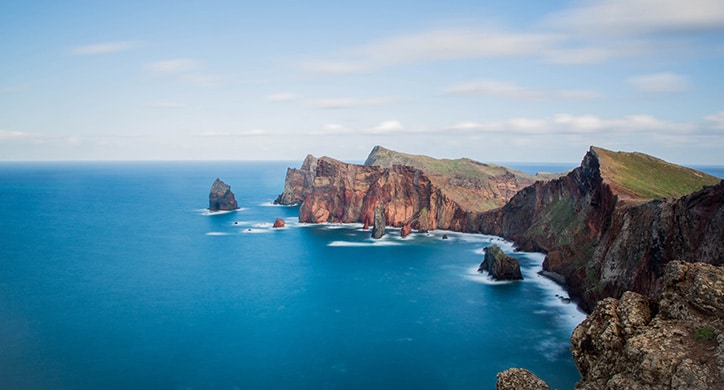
[[113, 275]]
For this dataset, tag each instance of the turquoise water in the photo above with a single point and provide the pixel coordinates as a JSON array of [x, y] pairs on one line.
[[114, 276]]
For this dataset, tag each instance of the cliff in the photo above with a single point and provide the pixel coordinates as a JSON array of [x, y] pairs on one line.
[[221, 197], [452, 196], [607, 226], [674, 341]]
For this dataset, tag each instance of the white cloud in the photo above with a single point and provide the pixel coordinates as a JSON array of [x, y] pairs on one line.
[[631, 17], [8, 134], [178, 65], [386, 127], [578, 56], [716, 121], [435, 45], [183, 71], [562, 124], [101, 48], [659, 83], [514, 91], [338, 103], [333, 129], [281, 97]]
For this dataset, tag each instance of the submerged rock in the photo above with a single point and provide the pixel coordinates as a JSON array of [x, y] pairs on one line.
[[499, 265], [279, 223], [519, 379], [221, 197]]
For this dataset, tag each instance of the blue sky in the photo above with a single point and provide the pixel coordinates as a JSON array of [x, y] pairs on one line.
[[496, 81]]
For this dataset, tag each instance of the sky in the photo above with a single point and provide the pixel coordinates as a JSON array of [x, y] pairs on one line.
[[495, 81]]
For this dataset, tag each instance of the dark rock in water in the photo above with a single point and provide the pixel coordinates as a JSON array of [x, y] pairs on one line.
[[672, 341], [519, 379], [221, 197], [405, 230], [499, 265], [444, 236], [378, 229], [279, 223]]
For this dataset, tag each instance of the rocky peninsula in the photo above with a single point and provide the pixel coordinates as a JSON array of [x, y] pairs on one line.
[[635, 237]]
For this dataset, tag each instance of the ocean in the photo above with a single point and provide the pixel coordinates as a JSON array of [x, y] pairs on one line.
[[114, 275]]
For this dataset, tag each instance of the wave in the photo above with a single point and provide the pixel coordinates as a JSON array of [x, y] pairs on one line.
[[255, 231], [472, 274], [217, 234], [364, 243], [207, 212]]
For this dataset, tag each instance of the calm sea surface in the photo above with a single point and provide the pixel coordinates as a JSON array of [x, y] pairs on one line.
[[112, 275]]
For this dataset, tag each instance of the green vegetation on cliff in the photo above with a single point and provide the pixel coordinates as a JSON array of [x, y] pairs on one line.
[[640, 176], [461, 167]]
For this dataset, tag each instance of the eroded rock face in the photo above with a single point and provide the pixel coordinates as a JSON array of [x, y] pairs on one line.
[[673, 341], [519, 379], [499, 265], [348, 193], [221, 197]]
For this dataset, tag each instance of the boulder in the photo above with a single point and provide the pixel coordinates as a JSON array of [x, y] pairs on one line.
[[519, 379], [221, 197], [279, 223], [499, 265]]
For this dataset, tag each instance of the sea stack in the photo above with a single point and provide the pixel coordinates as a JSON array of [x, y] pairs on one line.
[[499, 265], [221, 198], [378, 229]]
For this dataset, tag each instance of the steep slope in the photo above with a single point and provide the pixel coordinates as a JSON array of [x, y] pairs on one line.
[[604, 227]]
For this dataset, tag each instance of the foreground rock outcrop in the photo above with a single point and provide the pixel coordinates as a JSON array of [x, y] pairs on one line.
[[672, 341], [608, 226], [499, 265], [221, 198], [519, 379]]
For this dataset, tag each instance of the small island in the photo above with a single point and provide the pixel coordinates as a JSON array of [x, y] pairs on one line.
[[221, 198], [499, 265]]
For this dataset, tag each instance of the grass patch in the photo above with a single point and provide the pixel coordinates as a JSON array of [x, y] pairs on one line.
[[703, 334], [646, 177]]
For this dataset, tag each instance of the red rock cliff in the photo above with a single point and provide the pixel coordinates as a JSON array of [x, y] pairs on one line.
[[605, 235]]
